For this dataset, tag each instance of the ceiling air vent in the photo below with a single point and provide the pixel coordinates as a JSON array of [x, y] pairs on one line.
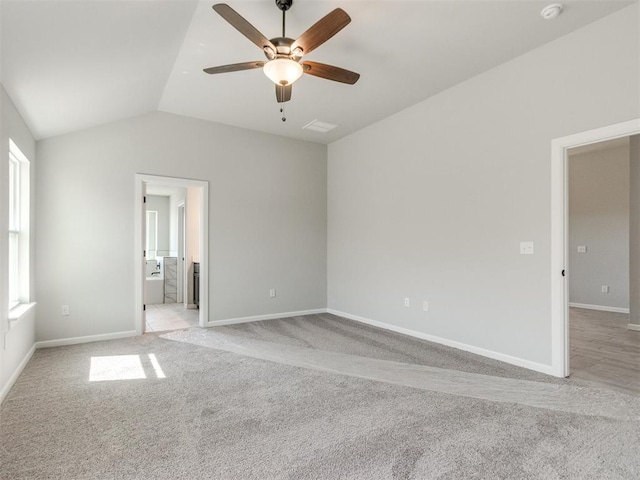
[[318, 126]]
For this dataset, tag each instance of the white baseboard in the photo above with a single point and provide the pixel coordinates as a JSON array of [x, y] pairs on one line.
[[16, 373], [257, 318], [602, 308], [520, 362], [633, 326], [91, 338]]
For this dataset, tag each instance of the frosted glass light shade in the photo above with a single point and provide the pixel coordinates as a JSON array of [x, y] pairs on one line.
[[282, 71]]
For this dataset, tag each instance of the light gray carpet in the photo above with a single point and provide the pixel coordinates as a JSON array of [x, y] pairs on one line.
[[225, 415], [566, 398]]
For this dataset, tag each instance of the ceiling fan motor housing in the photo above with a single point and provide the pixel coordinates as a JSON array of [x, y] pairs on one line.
[[282, 44], [284, 5]]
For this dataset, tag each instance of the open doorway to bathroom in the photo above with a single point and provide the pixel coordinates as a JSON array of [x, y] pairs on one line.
[[171, 240]]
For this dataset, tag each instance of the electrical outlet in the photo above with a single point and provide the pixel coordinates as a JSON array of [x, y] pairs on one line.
[[605, 288], [65, 310], [425, 306], [406, 301], [526, 248], [272, 293]]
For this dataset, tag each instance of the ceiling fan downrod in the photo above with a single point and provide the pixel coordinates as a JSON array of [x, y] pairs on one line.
[[284, 5]]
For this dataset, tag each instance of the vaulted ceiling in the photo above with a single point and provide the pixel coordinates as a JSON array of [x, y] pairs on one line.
[[73, 64]]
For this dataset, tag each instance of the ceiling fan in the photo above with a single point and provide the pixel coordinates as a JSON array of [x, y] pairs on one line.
[[284, 55]]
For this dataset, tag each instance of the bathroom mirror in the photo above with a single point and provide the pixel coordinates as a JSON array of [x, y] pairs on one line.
[[152, 234]]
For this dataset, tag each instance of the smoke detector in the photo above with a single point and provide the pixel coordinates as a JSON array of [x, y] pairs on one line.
[[551, 11]]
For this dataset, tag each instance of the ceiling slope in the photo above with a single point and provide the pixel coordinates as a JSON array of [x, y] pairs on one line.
[[69, 65], [73, 64], [405, 51]]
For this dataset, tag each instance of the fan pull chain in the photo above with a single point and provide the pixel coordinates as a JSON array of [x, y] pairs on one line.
[[284, 118]]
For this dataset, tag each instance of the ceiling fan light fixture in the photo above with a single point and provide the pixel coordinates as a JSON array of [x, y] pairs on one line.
[[282, 71]]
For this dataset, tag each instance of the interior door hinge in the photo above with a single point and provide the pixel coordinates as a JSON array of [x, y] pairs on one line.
[[144, 254], [144, 308], [144, 199], [563, 273]]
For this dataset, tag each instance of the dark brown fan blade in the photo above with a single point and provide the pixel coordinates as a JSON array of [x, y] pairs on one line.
[[322, 30], [235, 67], [330, 72], [283, 93], [243, 26]]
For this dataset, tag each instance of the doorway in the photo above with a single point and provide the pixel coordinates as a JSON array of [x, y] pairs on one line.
[[180, 239], [601, 347], [560, 310]]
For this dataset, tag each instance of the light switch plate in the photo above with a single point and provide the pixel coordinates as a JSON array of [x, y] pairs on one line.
[[582, 249]]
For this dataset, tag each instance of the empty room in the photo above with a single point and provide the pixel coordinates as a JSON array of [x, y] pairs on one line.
[[313, 239]]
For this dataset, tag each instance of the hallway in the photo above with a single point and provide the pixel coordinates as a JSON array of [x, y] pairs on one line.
[[604, 350]]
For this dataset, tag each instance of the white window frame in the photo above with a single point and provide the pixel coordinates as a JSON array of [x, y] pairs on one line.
[[19, 191]]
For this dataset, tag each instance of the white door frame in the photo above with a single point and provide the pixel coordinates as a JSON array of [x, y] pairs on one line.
[[182, 274], [559, 233], [140, 182]]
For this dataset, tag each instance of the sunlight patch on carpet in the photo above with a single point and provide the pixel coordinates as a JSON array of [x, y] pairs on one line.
[[156, 366], [123, 367]]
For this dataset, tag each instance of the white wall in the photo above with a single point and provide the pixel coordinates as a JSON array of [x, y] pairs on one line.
[[267, 225], [599, 221], [16, 344], [179, 195], [433, 202]]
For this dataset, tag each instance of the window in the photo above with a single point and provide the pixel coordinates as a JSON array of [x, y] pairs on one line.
[[18, 227]]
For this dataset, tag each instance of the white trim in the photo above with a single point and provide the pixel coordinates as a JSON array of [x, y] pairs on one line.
[[633, 326], [520, 362], [140, 181], [559, 243], [138, 253], [180, 254], [601, 308], [19, 312], [90, 338], [20, 231], [17, 372], [257, 318]]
